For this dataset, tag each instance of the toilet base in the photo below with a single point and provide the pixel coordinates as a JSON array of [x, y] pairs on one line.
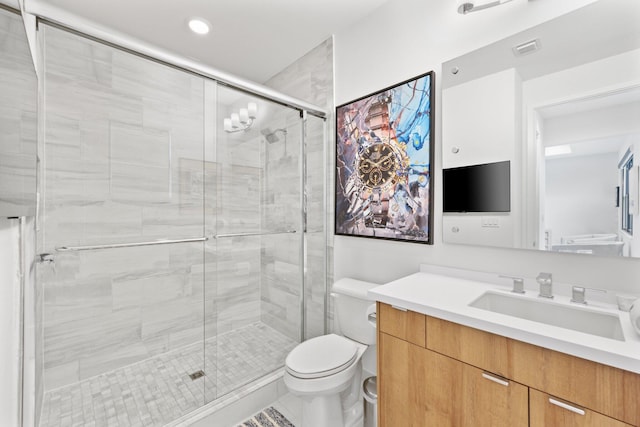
[[326, 411], [354, 416], [322, 411], [344, 409]]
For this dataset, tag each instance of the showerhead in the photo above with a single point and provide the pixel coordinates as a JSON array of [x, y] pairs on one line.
[[271, 137]]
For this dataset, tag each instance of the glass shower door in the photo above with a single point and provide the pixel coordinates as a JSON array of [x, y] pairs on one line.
[[122, 221], [258, 239], [316, 266]]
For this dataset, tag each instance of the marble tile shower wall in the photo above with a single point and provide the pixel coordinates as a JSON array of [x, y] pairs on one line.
[[309, 78], [123, 162], [281, 261], [236, 301], [18, 86], [100, 186]]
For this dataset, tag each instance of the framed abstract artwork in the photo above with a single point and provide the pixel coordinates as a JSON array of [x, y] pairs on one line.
[[384, 160]]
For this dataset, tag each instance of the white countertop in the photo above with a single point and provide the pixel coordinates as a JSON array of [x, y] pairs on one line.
[[437, 292]]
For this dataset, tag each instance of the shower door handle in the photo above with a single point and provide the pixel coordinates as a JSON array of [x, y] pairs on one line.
[[304, 212]]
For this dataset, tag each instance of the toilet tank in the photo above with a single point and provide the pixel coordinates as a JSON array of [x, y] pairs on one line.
[[350, 309]]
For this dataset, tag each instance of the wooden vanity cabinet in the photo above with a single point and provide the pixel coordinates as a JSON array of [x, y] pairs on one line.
[[462, 376]]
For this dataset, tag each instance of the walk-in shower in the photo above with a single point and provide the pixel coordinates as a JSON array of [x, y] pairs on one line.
[[178, 262]]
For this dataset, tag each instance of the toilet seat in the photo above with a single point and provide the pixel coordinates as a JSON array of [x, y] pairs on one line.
[[321, 357]]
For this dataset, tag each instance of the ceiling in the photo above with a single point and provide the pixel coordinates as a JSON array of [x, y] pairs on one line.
[[252, 39]]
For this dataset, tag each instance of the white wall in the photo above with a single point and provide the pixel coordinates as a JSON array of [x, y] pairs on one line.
[[9, 322], [405, 38], [408, 37]]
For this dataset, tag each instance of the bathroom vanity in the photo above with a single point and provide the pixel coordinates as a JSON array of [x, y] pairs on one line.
[[444, 361]]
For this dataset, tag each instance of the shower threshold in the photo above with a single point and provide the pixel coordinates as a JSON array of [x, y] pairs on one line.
[[159, 390]]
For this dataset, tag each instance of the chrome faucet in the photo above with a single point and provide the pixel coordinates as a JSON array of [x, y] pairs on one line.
[[546, 285]]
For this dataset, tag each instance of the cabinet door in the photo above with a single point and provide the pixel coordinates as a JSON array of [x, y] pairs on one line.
[[457, 394], [397, 406], [490, 400], [549, 411], [418, 387]]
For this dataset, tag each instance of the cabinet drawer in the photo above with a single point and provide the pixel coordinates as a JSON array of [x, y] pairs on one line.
[[478, 348], [547, 410], [401, 323], [607, 390]]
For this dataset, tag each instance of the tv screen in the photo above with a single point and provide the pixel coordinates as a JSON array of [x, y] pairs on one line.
[[477, 188]]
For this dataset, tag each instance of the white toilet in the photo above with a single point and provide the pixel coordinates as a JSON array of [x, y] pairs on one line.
[[326, 371]]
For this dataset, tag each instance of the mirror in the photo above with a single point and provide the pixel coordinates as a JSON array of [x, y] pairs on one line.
[[560, 102], [18, 120]]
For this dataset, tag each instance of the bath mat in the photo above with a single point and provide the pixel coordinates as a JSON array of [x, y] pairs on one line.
[[270, 417]]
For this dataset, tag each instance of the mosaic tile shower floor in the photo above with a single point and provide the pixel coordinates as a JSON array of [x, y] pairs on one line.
[[158, 390]]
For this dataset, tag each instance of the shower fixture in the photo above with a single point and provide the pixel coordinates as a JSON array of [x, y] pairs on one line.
[[271, 137], [242, 120]]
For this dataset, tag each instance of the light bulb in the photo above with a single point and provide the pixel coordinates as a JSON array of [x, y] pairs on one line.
[[199, 26], [235, 121], [244, 116], [252, 109]]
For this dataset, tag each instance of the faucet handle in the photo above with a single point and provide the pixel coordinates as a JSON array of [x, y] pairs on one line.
[[544, 278], [578, 294], [518, 283]]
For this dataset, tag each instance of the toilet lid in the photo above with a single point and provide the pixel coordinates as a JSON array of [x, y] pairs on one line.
[[321, 356]]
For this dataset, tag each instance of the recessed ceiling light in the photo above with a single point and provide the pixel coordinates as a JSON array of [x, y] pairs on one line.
[[199, 26]]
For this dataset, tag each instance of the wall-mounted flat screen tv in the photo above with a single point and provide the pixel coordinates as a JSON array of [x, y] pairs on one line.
[[477, 188]]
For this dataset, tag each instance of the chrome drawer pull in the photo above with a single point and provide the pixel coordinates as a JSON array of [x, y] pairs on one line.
[[399, 308], [495, 379], [566, 406]]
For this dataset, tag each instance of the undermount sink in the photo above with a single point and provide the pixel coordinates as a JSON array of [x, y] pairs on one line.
[[576, 318]]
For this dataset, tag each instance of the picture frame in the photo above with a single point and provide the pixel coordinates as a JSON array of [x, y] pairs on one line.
[[384, 163]]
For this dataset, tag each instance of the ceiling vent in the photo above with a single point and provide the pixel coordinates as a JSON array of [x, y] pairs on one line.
[[527, 47]]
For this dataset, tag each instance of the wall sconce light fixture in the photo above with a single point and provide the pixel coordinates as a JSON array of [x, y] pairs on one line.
[[242, 120], [466, 6]]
